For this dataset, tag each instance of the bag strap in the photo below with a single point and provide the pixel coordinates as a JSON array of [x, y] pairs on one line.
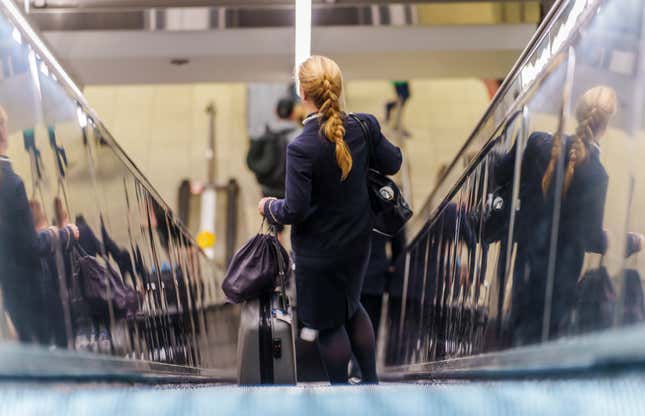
[[79, 248], [366, 136], [282, 270]]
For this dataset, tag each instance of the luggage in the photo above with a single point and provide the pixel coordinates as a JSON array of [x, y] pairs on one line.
[[266, 348]]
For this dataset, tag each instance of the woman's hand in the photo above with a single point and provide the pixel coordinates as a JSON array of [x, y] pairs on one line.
[[261, 205], [73, 230]]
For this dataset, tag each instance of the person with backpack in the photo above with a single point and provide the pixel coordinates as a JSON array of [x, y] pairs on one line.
[[327, 203], [267, 154]]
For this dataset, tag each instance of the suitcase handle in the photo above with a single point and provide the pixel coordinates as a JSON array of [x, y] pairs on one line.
[[281, 286]]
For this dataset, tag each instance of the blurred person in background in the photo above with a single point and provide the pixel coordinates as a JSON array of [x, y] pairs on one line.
[[267, 156], [381, 269], [402, 89]]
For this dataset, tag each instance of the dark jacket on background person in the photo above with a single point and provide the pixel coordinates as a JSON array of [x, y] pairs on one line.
[[378, 279], [331, 234], [21, 250]]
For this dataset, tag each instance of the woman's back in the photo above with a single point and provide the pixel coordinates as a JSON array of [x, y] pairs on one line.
[[337, 221]]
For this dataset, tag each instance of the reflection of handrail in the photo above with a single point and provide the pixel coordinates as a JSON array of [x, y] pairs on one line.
[[423, 214], [15, 15]]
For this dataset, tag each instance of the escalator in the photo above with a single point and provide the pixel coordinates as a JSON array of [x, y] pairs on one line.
[[507, 273]]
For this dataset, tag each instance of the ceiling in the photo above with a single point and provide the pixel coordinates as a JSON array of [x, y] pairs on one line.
[[94, 4], [266, 54]]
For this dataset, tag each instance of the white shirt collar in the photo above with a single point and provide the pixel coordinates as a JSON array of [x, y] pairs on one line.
[[5, 159], [311, 117]]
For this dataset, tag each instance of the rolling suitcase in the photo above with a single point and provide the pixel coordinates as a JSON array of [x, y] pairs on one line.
[[266, 348]]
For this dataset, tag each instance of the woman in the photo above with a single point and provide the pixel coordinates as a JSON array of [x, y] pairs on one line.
[[581, 197], [328, 204], [21, 249]]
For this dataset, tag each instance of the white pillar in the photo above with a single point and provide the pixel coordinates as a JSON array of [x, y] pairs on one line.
[[303, 31]]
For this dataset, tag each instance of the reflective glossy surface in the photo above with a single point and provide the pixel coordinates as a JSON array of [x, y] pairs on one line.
[[536, 231], [134, 284]]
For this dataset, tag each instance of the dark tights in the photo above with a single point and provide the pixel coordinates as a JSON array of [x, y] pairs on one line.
[[337, 345]]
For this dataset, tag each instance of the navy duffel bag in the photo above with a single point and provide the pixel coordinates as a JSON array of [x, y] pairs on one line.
[[256, 268]]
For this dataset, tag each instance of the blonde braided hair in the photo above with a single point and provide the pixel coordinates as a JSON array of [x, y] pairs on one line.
[[593, 112], [322, 82]]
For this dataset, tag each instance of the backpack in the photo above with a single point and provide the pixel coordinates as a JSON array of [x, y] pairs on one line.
[[267, 159]]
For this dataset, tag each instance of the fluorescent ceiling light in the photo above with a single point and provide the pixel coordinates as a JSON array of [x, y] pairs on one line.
[[303, 31]]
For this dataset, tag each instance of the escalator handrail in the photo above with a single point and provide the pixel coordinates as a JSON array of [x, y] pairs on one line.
[[42, 49]]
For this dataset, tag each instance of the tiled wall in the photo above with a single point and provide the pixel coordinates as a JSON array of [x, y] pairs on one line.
[[164, 129]]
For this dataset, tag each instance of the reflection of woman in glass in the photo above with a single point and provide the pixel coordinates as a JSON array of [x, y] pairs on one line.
[[582, 201], [22, 247]]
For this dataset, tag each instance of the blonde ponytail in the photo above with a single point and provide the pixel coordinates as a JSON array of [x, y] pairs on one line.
[[556, 149], [595, 109], [321, 80]]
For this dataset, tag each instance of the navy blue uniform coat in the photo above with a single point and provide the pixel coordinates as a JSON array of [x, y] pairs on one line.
[[21, 251], [331, 219]]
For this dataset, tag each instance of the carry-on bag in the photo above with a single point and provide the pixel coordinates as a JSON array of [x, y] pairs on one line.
[[254, 268], [266, 348], [101, 285]]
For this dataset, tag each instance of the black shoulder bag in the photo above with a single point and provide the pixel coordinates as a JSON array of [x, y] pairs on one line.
[[390, 210]]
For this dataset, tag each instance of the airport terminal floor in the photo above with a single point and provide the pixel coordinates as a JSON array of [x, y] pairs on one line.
[[505, 277]]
